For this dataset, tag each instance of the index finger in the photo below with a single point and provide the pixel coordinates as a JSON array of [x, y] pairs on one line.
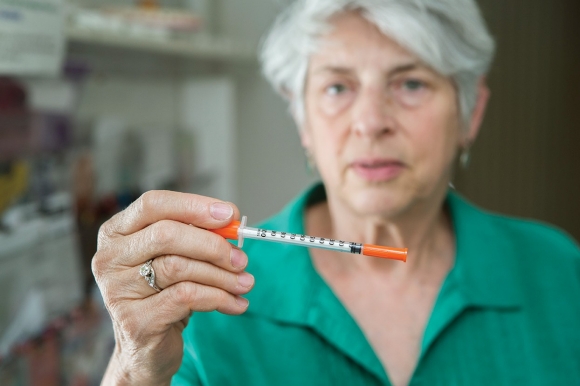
[[156, 205]]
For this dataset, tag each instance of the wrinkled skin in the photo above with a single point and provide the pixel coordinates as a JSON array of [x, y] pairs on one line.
[[196, 269]]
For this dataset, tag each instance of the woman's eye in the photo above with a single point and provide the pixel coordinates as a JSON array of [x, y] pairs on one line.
[[410, 92], [336, 89], [413, 85]]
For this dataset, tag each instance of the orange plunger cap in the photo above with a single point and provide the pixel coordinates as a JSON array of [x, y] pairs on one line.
[[228, 232]]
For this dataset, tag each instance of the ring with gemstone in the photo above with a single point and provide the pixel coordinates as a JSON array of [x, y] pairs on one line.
[[148, 273]]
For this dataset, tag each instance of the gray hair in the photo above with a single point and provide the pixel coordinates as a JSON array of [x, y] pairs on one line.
[[450, 36]]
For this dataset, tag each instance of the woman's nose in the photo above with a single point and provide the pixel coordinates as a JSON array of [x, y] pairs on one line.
[[373, 113]]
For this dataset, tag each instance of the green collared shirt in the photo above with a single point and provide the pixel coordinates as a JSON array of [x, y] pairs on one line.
[[508, 313]]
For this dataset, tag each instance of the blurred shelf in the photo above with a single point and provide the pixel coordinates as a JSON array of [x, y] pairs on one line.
[[196, 47]]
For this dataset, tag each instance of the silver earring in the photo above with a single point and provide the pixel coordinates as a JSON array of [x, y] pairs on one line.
[[465, 157]]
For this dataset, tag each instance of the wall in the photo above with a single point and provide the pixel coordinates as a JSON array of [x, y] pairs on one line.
[[272, 163], [526, 161]]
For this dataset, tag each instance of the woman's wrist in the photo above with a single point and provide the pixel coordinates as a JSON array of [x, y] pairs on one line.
[[117, 375]]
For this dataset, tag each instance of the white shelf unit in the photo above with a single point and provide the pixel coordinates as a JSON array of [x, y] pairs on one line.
[[202, 105], [198, 46]]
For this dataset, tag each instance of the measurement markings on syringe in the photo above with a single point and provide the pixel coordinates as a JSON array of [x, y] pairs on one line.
[[353, 247]]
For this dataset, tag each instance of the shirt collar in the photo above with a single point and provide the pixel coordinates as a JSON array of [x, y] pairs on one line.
[[485, 256]]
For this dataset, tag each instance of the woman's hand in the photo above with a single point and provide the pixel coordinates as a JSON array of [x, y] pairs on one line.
[[195, 269]]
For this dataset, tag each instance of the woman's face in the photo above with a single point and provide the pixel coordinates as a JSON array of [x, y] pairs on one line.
[[383, 128]]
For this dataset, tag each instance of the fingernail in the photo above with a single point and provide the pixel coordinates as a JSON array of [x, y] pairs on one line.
[[221, 211], [238, 258], [245, 279], [242, 302]]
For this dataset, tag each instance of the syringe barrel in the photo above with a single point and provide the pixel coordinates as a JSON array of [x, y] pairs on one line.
[[302, 240]]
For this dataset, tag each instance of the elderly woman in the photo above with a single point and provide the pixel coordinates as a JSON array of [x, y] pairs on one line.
[[387, 94]]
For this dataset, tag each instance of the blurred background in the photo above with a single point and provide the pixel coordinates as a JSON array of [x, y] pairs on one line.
[[101, 101]]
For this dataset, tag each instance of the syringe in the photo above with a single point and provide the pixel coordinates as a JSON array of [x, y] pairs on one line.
[[238, 230]]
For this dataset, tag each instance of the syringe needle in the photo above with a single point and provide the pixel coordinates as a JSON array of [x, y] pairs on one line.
[[238, 230]]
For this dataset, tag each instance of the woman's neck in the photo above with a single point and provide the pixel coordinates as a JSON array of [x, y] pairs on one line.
[[426, 231]]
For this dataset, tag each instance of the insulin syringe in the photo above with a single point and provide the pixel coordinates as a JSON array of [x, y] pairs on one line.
[[238, 230]]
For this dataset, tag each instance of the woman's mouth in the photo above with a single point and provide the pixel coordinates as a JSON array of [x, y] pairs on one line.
[[377, 169]]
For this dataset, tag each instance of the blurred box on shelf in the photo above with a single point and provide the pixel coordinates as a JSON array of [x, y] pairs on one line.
[[140, 22], [31, 37]]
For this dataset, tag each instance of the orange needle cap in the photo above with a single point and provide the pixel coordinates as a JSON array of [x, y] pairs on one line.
[[385, 252]]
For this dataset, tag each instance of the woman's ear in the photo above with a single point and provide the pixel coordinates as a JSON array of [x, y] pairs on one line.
[[478, 113]]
